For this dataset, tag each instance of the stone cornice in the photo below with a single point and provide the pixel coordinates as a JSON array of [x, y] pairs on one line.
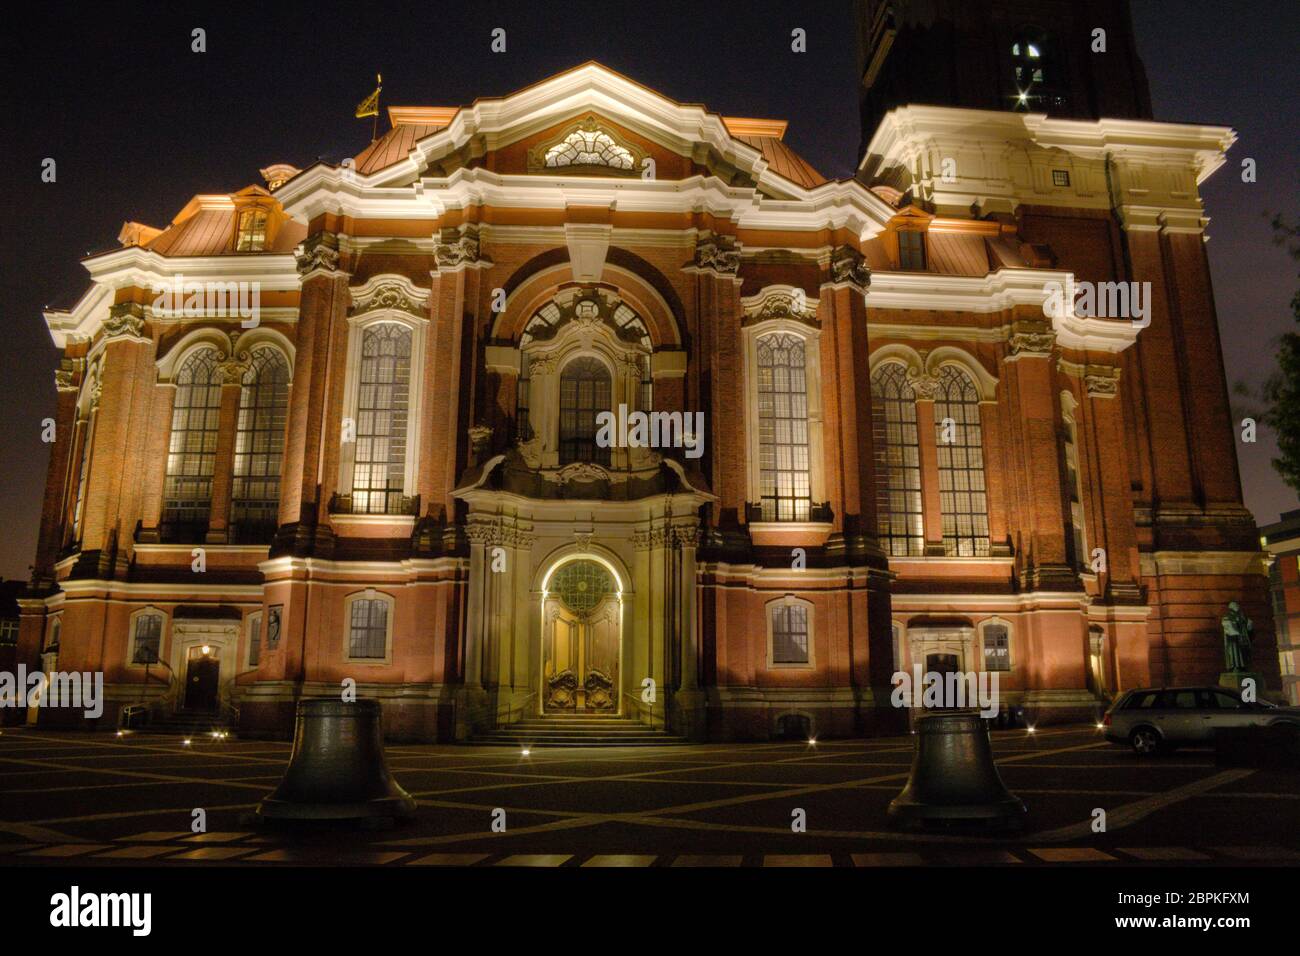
[[389, 291]]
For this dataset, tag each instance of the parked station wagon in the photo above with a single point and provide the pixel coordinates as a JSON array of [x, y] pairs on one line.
[[1152, 719]]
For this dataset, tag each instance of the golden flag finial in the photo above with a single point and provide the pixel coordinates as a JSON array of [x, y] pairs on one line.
[[370, 105]]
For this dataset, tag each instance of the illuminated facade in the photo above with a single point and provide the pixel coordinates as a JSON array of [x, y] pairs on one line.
[[366, 447]]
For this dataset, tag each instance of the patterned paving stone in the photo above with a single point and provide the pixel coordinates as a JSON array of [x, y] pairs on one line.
[[694, 860], [214, 853], [308, 855], [1258, 854], [449, 859], [69, 849], [1072, 854], [156, 836], [887, 859], [143, 852], [535, 859], [1159, 854], [215, 837], [798, 859], [617, 860]]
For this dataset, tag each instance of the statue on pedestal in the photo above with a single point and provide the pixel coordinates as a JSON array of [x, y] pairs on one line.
[[1237, 630]]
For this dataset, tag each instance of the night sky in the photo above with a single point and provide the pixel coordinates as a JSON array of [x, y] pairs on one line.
[[138, 124]]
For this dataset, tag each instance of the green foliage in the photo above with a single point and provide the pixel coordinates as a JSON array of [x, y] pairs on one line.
[[1281, 391]]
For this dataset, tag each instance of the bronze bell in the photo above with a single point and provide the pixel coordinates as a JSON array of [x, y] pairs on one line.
[[954, 779], [337, 770]]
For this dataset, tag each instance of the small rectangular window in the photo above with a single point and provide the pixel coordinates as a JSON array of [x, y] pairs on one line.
[[911, 251], [8, 632], [1060, 177], [254, 639]]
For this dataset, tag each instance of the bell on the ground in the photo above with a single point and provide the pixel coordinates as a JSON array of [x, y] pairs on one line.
[[337, 770], [954, 779]]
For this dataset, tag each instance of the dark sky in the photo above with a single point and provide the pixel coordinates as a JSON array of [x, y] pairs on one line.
[[138, 124]]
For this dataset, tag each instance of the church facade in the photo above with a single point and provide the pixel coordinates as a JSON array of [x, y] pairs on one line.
[[582, 401]]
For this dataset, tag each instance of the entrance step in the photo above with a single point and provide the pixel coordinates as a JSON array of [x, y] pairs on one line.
[[576, 731], [187, 724]]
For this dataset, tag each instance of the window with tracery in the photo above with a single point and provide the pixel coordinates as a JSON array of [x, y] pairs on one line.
[[585, 391], [259, 444], [785, 477], [959, 441], [898, 462], [383, 404], [192, 452]]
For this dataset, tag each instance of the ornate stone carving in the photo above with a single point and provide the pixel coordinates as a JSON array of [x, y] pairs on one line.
[[1102, 382], [848, 265], [721, 254], [67, 375], [493, 532], [925, 386], [783, 305], [234, 369], [579, 471], [387, 295], [125, 319], [1028, 338], [584, 540], [685, 536], [650, 539], [456, 247], [480, 440], [318, 253]]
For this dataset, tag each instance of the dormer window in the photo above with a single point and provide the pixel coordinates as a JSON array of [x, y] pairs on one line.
[[251, 234], [911, 250]]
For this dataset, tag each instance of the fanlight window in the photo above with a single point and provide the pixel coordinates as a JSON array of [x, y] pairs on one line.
[[785, 483], [898, 462], [383, 401], [960, 444], [259, 443], [192, 455], [581, 585], [585, 392], [588, 147]]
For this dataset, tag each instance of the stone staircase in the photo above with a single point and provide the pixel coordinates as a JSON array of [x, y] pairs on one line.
[[577, 731]]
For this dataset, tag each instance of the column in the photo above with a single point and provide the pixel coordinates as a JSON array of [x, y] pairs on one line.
[[232, 378]]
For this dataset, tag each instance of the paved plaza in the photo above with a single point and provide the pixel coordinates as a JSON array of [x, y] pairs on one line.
[[105, 800]]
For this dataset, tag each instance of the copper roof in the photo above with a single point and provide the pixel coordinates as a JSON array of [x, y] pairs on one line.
[[784, 161]]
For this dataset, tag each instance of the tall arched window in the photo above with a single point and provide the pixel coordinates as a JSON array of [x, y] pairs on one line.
[[585, 391], [83, 475], [1073, 484], [783, 461], [960, 445], [259, 446], [192, 453], [383, 404], [898, 462]]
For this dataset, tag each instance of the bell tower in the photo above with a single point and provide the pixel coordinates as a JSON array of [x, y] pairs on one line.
[[1031, 55]]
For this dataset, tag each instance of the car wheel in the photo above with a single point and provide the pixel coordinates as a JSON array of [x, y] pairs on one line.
[[1145, 742]]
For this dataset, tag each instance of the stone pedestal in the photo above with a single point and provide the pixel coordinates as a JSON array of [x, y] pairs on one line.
[[1234, 680]]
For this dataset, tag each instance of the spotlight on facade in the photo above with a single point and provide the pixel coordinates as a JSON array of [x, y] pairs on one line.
[[525, 751], [185, 743], [812, 741], [1031, 729], [207, 649]]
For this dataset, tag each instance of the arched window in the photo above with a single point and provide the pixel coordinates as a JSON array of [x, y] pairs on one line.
[[192, 453], [995, 638], [251, 236], [1073, 484], [254, 638], [83, 475], [383, 404], [783, 460], [585, 391], [960, 445], [790, 630], [259, 446], [1036, 71], [370, 621], [146, 636], [898, 462]]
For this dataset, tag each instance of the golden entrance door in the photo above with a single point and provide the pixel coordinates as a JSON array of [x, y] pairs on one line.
[[580, 640]]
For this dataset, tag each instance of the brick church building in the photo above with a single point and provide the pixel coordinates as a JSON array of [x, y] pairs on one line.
[[343, 424]]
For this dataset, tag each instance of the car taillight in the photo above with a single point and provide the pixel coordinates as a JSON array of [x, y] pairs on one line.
[[1105, 720]]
